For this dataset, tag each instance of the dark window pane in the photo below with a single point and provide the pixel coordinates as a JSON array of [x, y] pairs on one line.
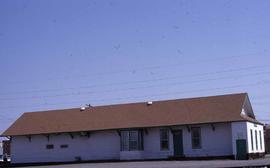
[[124, 140], [131, 140], [251, 137], [164, 134], [133, 135], [64, 146], [164, 145], [261, 140], [140, 141], [133, 145], [50, 146], [196, 132], [196, 137], [256, 139], [196, 143], [164, 139]]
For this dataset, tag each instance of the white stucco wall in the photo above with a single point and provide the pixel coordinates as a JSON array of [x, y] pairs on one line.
[[105, 145], [241, 130], [214, 142], [131, 155], [100, 145], [261, 146], [152, 145]]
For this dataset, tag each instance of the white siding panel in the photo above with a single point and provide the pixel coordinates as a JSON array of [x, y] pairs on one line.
[[213, 142], [239, 131], [152, 145], [131, 155], [100, 145], [105, 145], [258, 128]]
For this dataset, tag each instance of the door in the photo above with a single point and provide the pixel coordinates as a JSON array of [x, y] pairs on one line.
[[241, 147], [178, 143]]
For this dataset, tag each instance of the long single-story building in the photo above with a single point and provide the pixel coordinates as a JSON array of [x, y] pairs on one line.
[[215, 126]]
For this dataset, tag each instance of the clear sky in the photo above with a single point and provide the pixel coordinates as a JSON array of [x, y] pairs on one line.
[[58, 54]]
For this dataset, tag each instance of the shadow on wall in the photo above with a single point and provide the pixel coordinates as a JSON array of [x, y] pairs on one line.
[[267, 139]]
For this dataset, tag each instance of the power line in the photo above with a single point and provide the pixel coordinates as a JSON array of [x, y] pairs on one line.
[[264, 120], [153, 95], [262, 103], [149, 67], [135, 88], [138, 81]]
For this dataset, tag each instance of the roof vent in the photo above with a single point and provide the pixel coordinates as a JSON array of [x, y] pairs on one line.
[[149, 103], [88, 105], [82, 108]]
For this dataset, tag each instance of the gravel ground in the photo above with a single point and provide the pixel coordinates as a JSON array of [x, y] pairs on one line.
[[168, 164]]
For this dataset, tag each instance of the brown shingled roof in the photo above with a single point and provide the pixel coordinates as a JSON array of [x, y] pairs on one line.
[[224, 108]]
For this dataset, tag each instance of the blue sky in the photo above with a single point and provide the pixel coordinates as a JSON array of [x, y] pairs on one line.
[[68, 53]]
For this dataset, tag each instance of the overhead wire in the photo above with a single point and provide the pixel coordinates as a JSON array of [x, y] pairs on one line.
[[149, 67], [140, 87], [135, 82], [153, 95]]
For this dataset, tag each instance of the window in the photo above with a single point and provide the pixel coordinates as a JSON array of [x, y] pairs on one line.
[[260, 139], [256, 139], [164, 139], [251, 136], [124, 140], [131, 140], [196, 137], [50, 146], [64, 146]]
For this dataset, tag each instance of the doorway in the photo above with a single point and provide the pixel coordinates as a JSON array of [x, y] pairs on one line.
[[178, 143], [241, 146]]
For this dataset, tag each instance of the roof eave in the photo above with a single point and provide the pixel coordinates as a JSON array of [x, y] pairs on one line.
[[175, 125]]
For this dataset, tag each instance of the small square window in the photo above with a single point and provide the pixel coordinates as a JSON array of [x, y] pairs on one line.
[[50, 146], [64, 146], [164, 145]]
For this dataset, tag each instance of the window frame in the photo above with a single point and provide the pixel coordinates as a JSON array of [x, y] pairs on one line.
[[199, 138], [126, 140], [162, 139], [256, 140], [260, 132], [49, 146], [133, 140], [251, 137], [64, 146]]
